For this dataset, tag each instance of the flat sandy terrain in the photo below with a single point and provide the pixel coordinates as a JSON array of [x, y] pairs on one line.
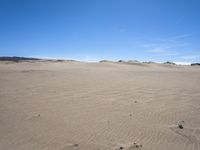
[[99, 106]]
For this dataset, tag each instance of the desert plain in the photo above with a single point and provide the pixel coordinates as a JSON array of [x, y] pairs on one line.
[[70, 105]]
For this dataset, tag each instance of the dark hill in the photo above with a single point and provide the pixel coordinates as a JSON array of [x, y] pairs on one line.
[[195, 64], [17, 59]]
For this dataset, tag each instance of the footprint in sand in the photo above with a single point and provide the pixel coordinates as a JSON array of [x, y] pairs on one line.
[[135, 146], [130, 146], [190, 134], [37, 116], [180, 124], [70, 146]]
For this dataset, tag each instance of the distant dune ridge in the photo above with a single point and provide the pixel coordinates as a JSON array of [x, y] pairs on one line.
[[128, 105], [21, 59], [169, 63]]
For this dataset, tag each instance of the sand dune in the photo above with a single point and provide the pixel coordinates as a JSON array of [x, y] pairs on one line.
[[72, 105]]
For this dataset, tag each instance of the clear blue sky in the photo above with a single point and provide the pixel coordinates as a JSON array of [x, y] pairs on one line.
[[146, 30]]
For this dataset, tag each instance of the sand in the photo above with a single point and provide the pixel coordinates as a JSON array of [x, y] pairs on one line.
[[99, 106]]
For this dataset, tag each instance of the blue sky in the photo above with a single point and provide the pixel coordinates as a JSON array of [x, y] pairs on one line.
[[91, 30]]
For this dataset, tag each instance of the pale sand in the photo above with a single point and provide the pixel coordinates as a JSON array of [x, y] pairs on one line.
[[99, 106]]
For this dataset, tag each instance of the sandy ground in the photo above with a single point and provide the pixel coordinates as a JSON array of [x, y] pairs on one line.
[[99, 106]]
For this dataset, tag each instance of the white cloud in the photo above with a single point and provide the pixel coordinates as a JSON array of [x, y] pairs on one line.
[[182, 36], [149, 45], [168, 46], [162, 51], [191, 57], [175, 38], [157, 51]]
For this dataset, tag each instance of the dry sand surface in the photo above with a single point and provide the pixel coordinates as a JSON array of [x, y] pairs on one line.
[[99, 106]]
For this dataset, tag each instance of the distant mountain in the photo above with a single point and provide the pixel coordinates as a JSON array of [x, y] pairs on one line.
[[16, 59]]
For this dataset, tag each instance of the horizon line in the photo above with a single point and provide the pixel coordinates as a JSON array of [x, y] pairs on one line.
[[82, 60]]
